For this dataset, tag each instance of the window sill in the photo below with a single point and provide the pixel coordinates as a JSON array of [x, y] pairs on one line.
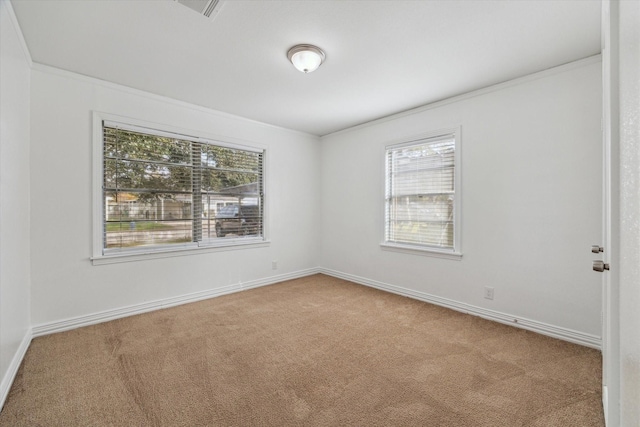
[[143, 255], [418, 250]]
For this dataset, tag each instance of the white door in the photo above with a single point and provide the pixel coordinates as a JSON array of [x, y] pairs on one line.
[[610, 291]]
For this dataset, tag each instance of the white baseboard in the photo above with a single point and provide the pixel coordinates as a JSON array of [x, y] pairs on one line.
[[105, 316], [605, 404], [10, 375], [532, 325], [565, 334]]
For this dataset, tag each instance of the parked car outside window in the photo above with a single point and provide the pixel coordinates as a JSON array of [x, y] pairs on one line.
[[241, 220]]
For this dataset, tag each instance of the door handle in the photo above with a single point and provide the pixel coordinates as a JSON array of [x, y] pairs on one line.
[[600, 266]]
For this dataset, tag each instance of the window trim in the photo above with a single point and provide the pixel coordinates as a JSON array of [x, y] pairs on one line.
[[189, 248], [416, 249]]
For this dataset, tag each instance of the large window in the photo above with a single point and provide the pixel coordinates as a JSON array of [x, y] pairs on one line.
[[422, 194], [162, 191]]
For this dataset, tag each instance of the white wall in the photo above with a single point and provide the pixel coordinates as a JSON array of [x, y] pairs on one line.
[[14, 197], [64, 282], [531, 200]]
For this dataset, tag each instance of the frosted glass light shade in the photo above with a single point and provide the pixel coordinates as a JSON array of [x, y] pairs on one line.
[[306, 57]]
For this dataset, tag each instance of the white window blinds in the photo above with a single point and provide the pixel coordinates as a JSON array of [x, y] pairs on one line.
[[164, 189], [420, 193]]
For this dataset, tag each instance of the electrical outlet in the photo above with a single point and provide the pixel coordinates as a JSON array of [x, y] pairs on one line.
[[274, 265], [488, 292]]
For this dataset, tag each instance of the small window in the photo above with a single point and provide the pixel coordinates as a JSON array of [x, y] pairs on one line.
[[162, 191], [422, 194]]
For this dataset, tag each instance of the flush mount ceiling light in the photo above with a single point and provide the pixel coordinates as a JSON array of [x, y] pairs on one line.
[[306, 57]]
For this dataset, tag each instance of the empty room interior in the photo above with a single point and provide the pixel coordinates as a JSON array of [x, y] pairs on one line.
[[376, 213]]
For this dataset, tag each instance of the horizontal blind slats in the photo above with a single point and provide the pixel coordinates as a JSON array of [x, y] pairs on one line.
[[420, 191], [161, 188]]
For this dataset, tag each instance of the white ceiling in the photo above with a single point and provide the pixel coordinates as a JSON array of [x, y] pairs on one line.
[[383, 57]]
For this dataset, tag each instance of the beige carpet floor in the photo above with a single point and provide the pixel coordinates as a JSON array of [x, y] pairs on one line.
[[316, 351]]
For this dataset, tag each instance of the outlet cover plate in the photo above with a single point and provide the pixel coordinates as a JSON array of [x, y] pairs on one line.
[[488, 292]]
